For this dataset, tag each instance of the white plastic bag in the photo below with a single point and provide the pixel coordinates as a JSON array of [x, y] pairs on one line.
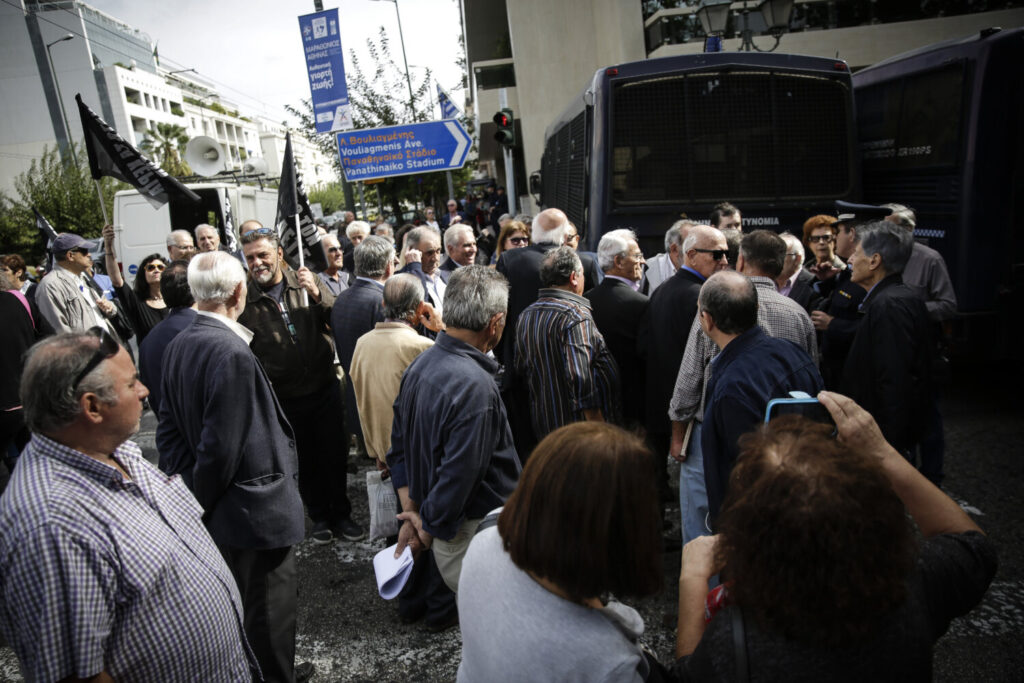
[[383, 506]]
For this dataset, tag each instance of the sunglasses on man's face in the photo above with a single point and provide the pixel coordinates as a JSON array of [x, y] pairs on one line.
[[716, 254], [107, 349]]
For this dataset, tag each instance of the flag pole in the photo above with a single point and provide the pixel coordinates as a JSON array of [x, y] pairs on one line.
[[103, 207], [302, 260]]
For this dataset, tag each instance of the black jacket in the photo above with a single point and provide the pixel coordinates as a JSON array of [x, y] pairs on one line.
[[617, 311]]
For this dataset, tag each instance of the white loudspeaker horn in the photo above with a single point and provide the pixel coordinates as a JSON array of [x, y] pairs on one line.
[[255, 166], [204, 155]]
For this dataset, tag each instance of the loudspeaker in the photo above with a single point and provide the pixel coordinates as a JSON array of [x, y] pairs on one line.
[[204, 155], [255, 166]]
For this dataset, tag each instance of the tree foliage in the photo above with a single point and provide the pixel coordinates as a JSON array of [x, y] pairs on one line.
[[163, 143], [379, 95], [64, 193]]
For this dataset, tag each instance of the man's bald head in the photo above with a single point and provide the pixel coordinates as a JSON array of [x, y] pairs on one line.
[[730, 300], [549, 227]]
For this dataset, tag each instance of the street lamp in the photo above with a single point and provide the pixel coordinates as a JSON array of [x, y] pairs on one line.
[[60, 100], [714, 16], [401, 39]]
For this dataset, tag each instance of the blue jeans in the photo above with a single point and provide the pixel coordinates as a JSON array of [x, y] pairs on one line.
[[693, 496]]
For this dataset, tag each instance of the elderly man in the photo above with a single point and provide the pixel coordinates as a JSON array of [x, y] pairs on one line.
[[561, 355], [452, 459], [452, 217], [666, 326], [761, 256], [65, 299], [794, 281], [355, 313], [663, 266], [106, 570], [223, 430], [422, 259], [334, 277], [460, 245], [181, 312], [618, 309], [292, 340], [180, 246], [751, 369], [888, 369], [207, 238]]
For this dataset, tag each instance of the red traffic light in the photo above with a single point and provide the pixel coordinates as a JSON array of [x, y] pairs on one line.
[[502, 119]]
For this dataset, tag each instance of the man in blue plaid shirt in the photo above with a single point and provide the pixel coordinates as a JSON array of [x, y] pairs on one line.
[[106, 570]]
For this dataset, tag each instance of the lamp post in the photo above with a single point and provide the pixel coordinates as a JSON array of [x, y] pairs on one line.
[[60, 100], [714, 17]]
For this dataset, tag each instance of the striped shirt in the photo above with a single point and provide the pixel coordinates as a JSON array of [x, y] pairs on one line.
[[565, 362], [777, 315], [102, 573]]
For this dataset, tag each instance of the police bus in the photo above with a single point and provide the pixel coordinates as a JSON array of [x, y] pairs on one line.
[[940, 131], [649, 141]]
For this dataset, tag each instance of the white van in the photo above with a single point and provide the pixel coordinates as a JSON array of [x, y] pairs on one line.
[[142, 230]]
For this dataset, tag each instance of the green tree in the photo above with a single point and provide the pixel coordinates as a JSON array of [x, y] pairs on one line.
[[64, 194], [330, 197], [163, 143]]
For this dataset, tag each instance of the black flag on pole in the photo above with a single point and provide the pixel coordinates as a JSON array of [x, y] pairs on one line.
[[291, 200], [49, 234], [111, 155]]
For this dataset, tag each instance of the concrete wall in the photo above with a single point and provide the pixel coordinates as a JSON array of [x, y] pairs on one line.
[[557, 47], [862, 46]]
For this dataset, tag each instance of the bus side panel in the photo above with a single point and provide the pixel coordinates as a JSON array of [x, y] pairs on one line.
[[142, 231]]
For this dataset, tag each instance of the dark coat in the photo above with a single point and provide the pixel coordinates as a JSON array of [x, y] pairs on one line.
[[664, 331], [222, 429], [356, 311], [888, 369], [443, 221], [803, 292], [522, 269], [416, 268], [151, 351], [449, 266], [617, 311]]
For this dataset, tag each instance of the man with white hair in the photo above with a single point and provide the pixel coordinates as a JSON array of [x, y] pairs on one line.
[[222, 429], [207, 237], [180, 246], [334, 278], [618, 307], [663, 266], [460, 245], [794, 281]]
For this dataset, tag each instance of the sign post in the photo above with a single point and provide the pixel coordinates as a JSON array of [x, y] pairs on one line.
[[403, 150], [321, 44]]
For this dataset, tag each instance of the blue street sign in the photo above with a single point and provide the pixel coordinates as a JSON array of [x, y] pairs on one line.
[[321, 44], [402, 150]]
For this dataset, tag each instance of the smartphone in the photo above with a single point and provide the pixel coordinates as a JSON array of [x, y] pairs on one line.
[[799, 403]]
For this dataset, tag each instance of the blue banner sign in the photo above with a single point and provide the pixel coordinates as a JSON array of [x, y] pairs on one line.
[[321, 44], [403, 150]]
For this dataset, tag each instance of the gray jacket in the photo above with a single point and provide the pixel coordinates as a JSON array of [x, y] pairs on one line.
[[61, 297]]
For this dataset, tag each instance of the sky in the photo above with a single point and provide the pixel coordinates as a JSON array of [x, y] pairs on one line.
[[252, 49]]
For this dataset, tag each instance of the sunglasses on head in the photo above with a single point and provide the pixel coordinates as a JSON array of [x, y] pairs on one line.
[[716, 254], [107, 349], [260, 231], [154, 266]]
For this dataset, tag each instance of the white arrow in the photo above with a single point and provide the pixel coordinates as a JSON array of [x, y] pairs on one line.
[[457, 133]]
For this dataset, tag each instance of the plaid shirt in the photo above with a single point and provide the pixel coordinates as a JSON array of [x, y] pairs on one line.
[[778, 316], [99, 573]]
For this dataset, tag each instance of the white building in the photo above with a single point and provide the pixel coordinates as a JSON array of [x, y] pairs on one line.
[[119, 78]]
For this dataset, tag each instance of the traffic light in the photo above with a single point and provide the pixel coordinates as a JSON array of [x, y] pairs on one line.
[[506, 134]]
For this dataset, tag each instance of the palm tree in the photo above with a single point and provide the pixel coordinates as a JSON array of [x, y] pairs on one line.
[[163, 142]]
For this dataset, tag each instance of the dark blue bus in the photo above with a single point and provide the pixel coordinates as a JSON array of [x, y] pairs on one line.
[[649, 141], [940, 131]]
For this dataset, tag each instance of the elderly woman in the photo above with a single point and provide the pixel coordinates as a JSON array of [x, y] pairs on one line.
[[143, 304], [820, 242], [515, 235], [824, 578], [533, 595]]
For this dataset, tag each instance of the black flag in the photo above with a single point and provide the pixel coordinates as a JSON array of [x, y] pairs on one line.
[[49, 234], [291, 200], [111, 155]]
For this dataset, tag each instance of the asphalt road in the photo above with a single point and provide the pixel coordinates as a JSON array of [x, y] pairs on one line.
[[351, 634]]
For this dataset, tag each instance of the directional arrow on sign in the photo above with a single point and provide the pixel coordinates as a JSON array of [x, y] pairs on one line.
[[403, 150]]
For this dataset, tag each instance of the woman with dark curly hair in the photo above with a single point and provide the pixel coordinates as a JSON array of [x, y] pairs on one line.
[[533, 595], [143, 304], [824, 580]]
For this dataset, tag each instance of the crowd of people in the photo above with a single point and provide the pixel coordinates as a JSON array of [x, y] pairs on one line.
[[524, 399]]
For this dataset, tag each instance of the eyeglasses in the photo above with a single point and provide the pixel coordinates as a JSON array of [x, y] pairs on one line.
[[154, 266], [820, 238], [519, 240], [716, 254], [260, 231], [107, 349]]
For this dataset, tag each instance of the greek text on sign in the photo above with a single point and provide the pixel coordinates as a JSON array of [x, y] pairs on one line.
[[403, 150], [321, 43]]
